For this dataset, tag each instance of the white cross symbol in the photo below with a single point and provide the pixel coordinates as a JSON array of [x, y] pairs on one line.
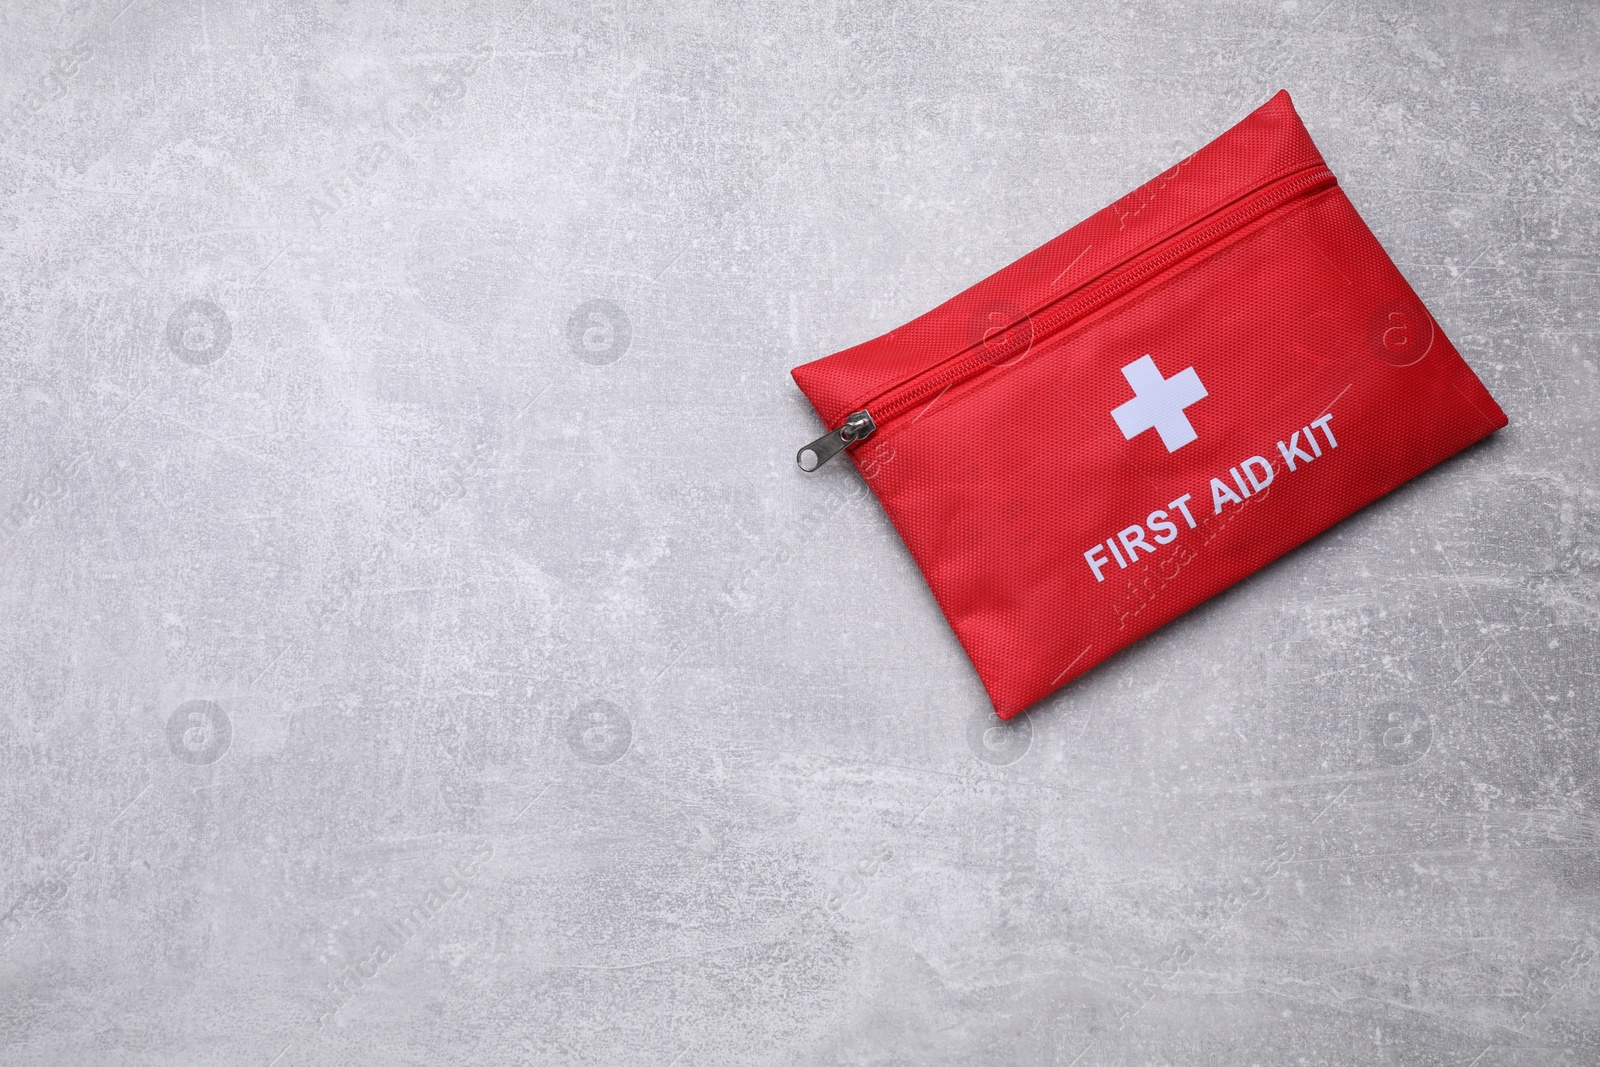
[[1158, 403]]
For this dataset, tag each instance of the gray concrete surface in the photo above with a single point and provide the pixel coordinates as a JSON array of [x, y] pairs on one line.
[[420, 648]]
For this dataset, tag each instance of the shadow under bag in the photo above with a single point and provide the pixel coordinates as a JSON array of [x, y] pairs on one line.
[[1145, 410]]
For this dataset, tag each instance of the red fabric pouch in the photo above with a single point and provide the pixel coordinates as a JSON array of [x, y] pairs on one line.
[[1145, 410]]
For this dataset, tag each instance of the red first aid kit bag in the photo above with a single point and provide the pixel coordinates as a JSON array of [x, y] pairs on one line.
[[1145, 410]]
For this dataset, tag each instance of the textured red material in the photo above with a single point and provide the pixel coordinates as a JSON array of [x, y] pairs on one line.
[[1143, 411]]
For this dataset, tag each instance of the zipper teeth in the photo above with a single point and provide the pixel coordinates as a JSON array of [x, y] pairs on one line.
[[1053, 319]]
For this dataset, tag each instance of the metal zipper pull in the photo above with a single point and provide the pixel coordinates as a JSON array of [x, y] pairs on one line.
[[858, 427]]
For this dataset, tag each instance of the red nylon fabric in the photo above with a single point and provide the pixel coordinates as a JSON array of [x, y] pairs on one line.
[[1243, 273]]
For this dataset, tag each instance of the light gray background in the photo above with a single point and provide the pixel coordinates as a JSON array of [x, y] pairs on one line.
[[464, 577]]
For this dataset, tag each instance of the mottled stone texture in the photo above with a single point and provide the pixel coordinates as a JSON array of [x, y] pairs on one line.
[[420, 648]]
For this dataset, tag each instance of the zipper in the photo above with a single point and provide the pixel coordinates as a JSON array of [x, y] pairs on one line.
[[1062, 312], [858, 427]]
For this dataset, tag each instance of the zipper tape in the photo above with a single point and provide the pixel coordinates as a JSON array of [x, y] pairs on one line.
[[1065, 310]]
